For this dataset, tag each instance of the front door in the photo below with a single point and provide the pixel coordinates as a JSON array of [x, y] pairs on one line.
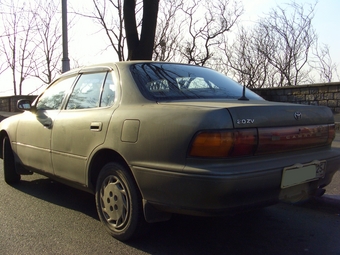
[[35, 127]]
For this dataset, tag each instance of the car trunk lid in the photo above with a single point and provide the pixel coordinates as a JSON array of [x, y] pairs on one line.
[[274, 115], [261, 113], [268, 127]]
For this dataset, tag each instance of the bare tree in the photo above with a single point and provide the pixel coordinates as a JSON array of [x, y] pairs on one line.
[[122, 20], [46, 64], [109, 16], [134, 26], [323, 64], [17, 46], [207, 22], [3, 65], [275, 52], [248, 66], [169, 30], [140, 47], [287, 39]]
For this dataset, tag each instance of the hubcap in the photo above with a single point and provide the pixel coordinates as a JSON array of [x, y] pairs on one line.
[[114, 202]]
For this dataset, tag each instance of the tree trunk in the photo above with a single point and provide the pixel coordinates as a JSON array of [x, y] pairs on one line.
[[140, 49]]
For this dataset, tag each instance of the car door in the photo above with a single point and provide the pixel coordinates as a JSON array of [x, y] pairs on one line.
[[82, 125], [35, 127]]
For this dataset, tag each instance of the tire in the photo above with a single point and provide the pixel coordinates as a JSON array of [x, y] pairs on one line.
[[10, 175], [119, 203]]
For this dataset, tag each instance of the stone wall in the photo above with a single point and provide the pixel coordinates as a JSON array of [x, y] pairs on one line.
[[325, 94], [9, 104]]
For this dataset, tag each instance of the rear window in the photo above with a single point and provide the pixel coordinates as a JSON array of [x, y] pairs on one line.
[[165, 81]]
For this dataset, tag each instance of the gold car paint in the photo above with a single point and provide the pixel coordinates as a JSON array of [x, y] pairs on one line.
[[34, 133], [75, 135], [161, 144]]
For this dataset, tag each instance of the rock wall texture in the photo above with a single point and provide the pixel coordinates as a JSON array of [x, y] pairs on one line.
[[325, 94], [9, 104]]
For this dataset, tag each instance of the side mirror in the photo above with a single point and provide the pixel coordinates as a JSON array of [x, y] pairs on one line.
[[24, 105]]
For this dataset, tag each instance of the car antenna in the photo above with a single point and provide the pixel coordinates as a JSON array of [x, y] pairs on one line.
[[243, 97]]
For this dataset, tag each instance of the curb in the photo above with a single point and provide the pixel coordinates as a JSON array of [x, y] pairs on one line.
[[333, 200]]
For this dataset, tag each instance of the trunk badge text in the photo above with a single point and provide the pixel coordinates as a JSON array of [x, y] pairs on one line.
[[245, 121]]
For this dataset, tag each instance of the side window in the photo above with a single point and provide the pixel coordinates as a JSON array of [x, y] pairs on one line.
[[86, 93], [53, 96], [109, 91]]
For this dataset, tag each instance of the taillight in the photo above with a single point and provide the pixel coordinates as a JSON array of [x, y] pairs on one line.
[[272, 140], [226, 143], [331, 133], [252, 141]]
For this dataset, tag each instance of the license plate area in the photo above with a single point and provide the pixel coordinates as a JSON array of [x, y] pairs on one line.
[[302, 173]]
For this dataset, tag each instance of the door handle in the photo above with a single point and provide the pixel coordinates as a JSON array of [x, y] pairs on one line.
[[96, 126]]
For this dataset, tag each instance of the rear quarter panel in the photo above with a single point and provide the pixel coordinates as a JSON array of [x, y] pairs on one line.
[[164, 133]]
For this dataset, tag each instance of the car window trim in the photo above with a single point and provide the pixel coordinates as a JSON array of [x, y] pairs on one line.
[[96, 69]]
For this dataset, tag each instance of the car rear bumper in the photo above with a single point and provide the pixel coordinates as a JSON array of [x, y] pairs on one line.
[[198, 190]]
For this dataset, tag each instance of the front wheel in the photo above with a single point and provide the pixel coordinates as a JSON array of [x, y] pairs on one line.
[[118, 202], [10, 175]]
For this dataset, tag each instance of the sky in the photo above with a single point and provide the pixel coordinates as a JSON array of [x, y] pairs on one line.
[[87, 46], [325, 22]]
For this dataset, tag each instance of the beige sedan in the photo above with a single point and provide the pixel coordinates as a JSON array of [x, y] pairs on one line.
[[150, 139]]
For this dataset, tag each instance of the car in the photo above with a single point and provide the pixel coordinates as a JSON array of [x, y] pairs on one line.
[[151, 139]]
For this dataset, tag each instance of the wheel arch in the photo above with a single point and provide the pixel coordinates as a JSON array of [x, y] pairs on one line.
[[105, 156], [3, 134], [99, 160]]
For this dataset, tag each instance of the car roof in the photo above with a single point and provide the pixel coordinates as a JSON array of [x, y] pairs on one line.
[[108, 66]]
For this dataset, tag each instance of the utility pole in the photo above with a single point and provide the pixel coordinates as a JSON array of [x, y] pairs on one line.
[[65, 60]]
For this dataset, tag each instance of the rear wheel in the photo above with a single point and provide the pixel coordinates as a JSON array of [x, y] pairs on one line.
[[10, 175], [119, 203]]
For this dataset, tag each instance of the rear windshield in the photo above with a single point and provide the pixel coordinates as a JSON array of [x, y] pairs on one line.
[[165, 81]]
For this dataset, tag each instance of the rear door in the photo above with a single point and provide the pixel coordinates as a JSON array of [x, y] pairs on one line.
[[82, 126]]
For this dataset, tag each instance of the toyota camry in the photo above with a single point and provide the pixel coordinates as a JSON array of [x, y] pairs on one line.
[[150, 139]]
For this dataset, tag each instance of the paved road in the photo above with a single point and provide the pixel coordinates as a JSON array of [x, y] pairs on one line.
[[40, 216], [44, 217]]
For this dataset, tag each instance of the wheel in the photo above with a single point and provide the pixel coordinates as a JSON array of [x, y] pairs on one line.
[[119, 203], [10, 175]]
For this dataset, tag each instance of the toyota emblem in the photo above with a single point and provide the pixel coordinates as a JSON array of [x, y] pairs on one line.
[[297, 115]]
